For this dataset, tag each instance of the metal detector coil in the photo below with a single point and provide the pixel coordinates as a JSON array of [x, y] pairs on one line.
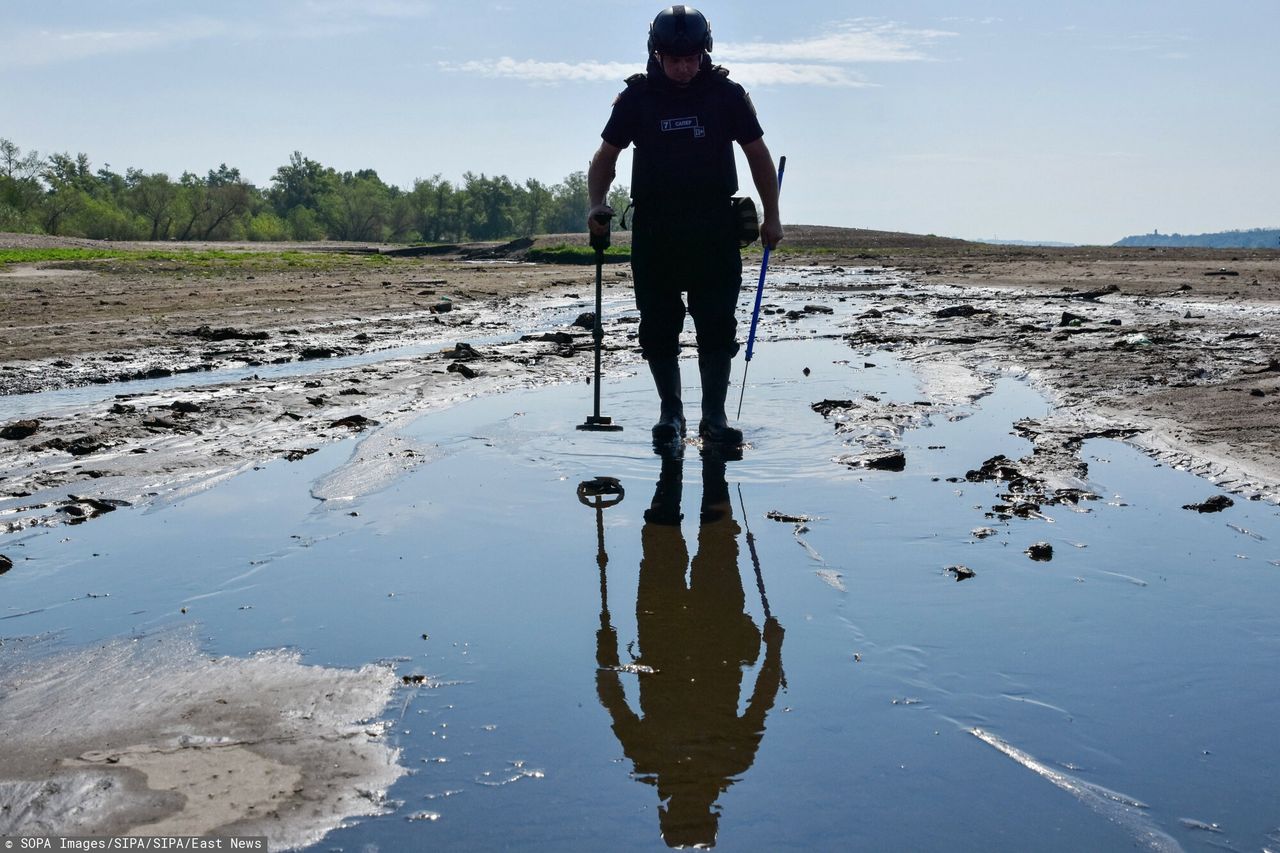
[[607, 492]]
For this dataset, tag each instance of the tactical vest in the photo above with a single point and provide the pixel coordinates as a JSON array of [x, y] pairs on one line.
[[684, 140]]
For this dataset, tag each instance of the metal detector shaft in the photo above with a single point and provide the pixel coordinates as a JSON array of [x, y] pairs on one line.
[[599, 242], [597, 328], [755, 311]]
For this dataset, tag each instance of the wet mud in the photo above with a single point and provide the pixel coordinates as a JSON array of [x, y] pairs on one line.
[[1186, 372], [146, 736]]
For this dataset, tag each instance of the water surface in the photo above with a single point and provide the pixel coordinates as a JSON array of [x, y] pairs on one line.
[[638, 695]]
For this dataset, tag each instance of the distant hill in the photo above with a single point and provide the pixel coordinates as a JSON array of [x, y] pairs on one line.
[[1048, 244], [832, 237], [1255, 238]]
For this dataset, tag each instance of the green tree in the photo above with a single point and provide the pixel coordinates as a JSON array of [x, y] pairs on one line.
[[402, 221], [569, 205], [153, 197], [306, 201], [109, 186], [357, 208], [68, 180], [20, 189], [98, 218], [210, 209], [266, 225], [227, 203], [535, 206], [619, 200], [434, 209], [300, 183], [304, 224], [65, 170], [223, 176], [191, 204], [492, 201]]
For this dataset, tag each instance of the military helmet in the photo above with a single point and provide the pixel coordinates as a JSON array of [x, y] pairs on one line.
[[679, 31]]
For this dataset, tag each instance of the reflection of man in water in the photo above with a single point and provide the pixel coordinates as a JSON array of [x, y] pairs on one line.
[[689, 740]]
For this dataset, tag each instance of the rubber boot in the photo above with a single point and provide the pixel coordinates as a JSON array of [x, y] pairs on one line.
[[670, 427], [714, 426]]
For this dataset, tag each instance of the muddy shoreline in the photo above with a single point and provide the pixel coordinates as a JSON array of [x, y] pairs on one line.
[[159, 379], [1177, 349]]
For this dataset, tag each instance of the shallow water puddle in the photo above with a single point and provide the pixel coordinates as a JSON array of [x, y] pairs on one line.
[[761, 653], [490, 325]]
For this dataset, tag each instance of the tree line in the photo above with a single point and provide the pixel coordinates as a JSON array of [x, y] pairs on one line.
[[61, 194]]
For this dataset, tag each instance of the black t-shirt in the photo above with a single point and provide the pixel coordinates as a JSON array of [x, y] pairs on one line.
[[683, 136]]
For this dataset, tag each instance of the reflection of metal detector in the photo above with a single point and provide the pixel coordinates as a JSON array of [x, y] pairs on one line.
[[755, 562], [601, 493], [597, 422]]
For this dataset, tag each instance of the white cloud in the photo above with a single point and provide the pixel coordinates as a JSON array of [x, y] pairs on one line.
[[47, 47], [790, 74], [298, 19], [747, 73], [816, 61], [956, 19], [1162, 45], [845, 42], [536, 71], [336, 19], [395, 9]]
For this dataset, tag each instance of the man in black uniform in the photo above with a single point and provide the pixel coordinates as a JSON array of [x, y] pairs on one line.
[[683, 116]]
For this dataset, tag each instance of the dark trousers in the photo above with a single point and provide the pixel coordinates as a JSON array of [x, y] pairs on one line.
[[691, 251]]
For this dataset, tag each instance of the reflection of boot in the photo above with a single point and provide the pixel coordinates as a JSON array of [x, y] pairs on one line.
[[714, 427], [715, 490], [666, 378], [665, 508]]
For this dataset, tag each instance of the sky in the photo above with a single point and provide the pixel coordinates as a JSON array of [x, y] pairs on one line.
[[1080, 122]]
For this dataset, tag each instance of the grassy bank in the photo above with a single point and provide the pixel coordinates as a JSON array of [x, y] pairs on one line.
[[122, 259]]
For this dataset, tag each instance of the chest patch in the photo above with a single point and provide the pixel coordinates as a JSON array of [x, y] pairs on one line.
[[689, 123]]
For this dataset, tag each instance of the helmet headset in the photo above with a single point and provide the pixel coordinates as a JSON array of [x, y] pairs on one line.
[[680, 31]]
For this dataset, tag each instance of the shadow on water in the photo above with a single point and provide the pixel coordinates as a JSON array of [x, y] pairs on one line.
[[1132, 674]]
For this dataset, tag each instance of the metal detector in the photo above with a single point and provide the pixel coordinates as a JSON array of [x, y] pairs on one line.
[[597, 422], [601, 493]]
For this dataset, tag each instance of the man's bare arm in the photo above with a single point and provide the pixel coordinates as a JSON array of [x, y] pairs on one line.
[[765, 176], [600, 175]]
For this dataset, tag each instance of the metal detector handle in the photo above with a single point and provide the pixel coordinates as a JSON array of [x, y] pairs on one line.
[[600, 242]]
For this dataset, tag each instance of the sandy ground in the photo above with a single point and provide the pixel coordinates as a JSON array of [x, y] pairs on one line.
[[1175, 350]]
